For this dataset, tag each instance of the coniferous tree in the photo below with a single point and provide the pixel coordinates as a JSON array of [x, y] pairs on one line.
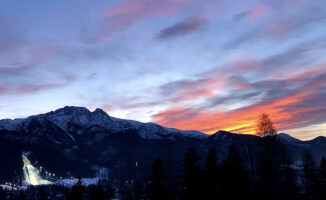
[[92, 192], [10, 195], [234, 180], [156, 187], [77, 191], [192, 185], [286, 181], [309, 175], [126, 191], [171, 184], [322, 179], [138, 190], [21, 195], [97, 192], [211, 175], [42, 193], [2, 193], [100, 195], [109, 192]]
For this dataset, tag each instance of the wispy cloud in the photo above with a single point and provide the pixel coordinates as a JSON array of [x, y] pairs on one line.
[[34, 57], [126, 14], [20, 89], [185, 27], [292, 103]]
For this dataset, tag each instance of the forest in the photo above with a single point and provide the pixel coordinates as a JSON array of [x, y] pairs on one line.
[[275, 177]]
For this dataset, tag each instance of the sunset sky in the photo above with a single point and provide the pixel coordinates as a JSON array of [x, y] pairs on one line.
[[189, 64]]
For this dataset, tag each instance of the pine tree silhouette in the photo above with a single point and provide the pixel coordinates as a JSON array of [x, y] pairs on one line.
[[77, 191], [192, 185], [286, 180], [42, 193], [211, 175], [21, 195], [92, 192], [234, 180], [2, 193], [156, 187], [97, 192], [109, 192], [322, 179], [309, 174]]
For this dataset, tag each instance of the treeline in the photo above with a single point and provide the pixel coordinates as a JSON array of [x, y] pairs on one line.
[[273, 176], [276, 177], [101, 191], [208, 178]]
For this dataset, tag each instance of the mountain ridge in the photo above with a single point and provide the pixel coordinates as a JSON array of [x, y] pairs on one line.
[[79, 116], [84, 118], [74, 139]]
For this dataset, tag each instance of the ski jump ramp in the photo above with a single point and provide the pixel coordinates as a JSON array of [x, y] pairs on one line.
[[32, 175]]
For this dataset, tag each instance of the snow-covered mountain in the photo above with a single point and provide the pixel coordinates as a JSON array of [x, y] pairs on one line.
[[74, 139], [76, 121], [287, 138]]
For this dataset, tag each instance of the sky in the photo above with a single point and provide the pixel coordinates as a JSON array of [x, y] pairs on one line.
[[189, 64]]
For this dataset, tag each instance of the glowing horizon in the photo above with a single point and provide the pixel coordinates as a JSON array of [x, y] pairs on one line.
[[186, 64]]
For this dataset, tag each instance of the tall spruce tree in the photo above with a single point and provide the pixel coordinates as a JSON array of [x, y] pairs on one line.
[[2, 193], [109, 192], [126, 191], [21, 195], [211, 175], [42, 195], [234, 180], [286, 187], [77, 191], [171, 183], [156, 189], [92, 192], [97, 192], [192, 186], [322, 179], [309, 175]]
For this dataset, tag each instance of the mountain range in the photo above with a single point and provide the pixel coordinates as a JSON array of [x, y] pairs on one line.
[[75, 141]]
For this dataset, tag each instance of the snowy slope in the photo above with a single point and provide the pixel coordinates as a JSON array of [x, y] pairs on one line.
[[74, 121], [287, 138]]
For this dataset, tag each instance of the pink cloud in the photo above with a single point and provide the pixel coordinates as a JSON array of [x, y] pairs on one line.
[[294, 108], [19, 90], [256, 12], [131, 12], [34, 57]]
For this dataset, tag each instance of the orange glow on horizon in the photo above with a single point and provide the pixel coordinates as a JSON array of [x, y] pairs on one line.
[[241, 120]]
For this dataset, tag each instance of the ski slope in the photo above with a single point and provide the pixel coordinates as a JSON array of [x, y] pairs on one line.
[[31, 174]]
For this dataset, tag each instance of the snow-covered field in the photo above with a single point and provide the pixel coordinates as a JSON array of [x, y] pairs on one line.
[[71, 181], [12, 187]]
